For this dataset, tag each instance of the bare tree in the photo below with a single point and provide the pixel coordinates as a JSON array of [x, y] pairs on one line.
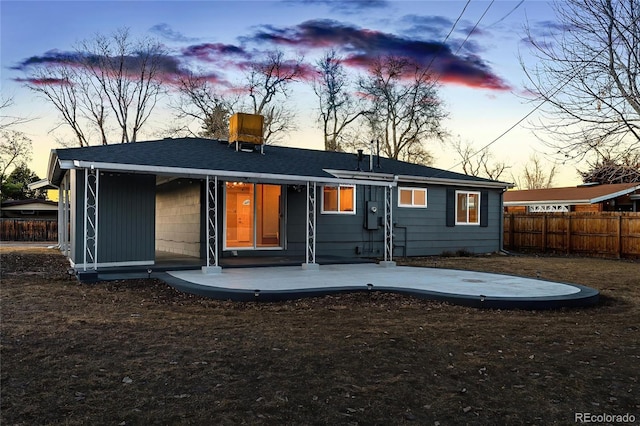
[[338, 108], [7, 120], [15, 148], [200, 101], [607, 170], [587, 78], [403, 108], [56, 84], [108, 80], [268, 90], [479, 163], [534, 175]]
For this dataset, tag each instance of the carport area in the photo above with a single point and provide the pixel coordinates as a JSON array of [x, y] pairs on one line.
[[476, 289]]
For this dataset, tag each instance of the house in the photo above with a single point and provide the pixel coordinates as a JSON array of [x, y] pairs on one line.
[[29, 209], [582, 198], [212, 200]]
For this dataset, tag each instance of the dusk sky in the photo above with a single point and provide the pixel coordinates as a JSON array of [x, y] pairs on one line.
[[482, 83]]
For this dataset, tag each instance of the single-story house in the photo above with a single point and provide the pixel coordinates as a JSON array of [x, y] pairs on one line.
[[29, 209], [210, 200], [581, 198]]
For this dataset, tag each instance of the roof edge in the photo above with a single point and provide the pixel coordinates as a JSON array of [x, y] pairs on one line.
[[615, 194], [41, 184], [545, 202], [135, 168], [459, 182]]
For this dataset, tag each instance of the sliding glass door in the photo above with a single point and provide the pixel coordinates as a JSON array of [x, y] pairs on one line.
[[253, 216]]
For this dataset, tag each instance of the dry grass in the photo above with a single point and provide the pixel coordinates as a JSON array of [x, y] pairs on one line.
[[138, 352]]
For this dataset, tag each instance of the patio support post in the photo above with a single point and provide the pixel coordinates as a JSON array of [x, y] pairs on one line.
[[212, 267], [388, 227], [63, 216], [61, 201], [310, 253], [91, 191], [67, 215]]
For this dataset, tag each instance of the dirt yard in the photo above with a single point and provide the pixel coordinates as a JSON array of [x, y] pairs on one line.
[[138, 352]]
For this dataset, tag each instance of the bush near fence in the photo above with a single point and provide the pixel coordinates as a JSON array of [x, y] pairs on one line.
[[28, 229], [604, 234]]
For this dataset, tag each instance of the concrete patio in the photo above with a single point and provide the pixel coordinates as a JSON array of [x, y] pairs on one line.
[[454, 286]]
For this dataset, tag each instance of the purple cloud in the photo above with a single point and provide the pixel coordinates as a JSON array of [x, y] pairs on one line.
[[213, 52], [426, 27], [51, 57], [345, 6], [43, 81], [169, 69], [164, 30], [363, 46]]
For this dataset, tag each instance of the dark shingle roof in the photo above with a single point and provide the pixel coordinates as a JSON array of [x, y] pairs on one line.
[[206, 154]]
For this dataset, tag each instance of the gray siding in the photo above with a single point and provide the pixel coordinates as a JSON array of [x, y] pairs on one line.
[[420, 232], [417, 232], [126, 218], [127, 222]]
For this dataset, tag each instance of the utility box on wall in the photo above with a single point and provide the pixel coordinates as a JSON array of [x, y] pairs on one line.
[[246, 128], [371, 223]]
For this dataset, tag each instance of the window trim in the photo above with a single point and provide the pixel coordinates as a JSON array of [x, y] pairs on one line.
[[478, 209], [413, 189], [339, 186]]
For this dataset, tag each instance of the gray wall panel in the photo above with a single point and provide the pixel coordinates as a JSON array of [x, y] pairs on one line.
[[425, 229], [126, 218]]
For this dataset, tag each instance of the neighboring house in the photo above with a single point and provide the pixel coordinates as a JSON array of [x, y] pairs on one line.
[[29, 209], [582, 198], [208, 199]]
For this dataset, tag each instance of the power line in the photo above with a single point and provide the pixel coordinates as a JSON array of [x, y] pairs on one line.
[[507, 15], [475, 26], [545, 98], [433, 57]]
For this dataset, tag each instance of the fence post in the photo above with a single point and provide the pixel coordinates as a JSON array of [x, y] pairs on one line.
[[619, 236], [544, 233], [568, 233], [511, 231]]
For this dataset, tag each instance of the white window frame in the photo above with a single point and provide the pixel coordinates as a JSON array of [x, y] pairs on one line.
[[339, 186], [477, 208], [413, 191]]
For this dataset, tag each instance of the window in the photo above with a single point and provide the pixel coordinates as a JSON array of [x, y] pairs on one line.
[[339, 199], [467, 208], [412, 197]]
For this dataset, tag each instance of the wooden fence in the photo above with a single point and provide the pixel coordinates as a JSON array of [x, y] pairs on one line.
[[605, 234], [28, 229]]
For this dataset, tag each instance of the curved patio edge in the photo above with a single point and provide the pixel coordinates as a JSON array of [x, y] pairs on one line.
[[584, 297]]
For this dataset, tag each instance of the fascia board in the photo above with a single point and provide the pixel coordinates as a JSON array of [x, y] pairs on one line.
[[614, 195], [545, 202], [53, 162], [201, 173], [454, 182], [35, 207], [386, 177], [354, 174], [41, 184]]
